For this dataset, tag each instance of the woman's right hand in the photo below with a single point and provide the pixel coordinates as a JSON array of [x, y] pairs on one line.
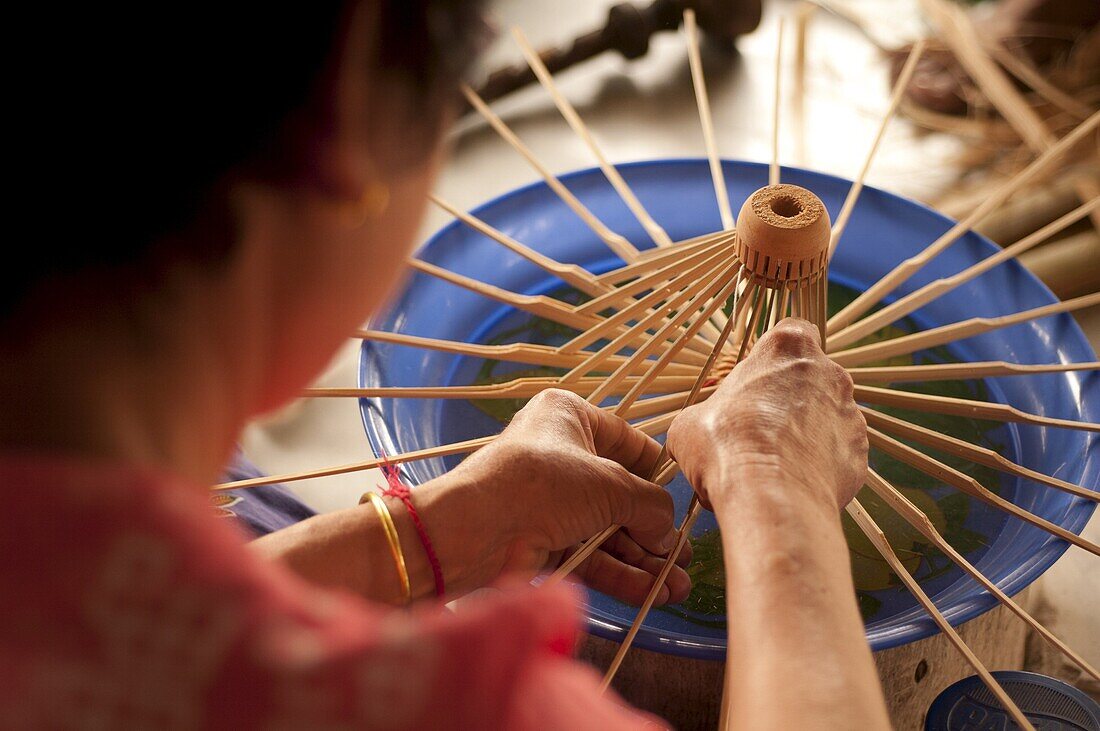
[[561, 472], [786, 409]]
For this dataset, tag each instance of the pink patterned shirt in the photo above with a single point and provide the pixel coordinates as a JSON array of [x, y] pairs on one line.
[[125, 603]]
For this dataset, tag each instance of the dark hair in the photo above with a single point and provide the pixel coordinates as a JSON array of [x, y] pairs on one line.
[[142, 110]]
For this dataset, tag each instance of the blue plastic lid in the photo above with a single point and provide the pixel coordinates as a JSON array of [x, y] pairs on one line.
[[1049, 704]]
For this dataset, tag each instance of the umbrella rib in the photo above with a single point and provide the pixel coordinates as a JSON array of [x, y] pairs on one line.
[[702, 101], [878, 539], [973, 452], [932, 337], [907, 268], [572, 274], [896, 96], [960, 371], [716, 295], [529, 353], [968, 485], [538, 305], [673, 290], [519, 388], [916, 518], [656, 232], [618, 243], [969, 408], [934, 290], [774, 171]]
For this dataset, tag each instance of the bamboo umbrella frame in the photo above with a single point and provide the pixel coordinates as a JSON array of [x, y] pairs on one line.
[[662, 319]]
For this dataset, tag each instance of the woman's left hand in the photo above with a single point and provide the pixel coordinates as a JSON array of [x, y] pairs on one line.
[[560, 473]]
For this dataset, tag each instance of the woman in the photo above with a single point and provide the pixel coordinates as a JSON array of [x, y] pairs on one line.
[[198, 285]]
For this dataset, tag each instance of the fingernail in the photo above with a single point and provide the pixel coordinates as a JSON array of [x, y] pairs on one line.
[[669, 541]]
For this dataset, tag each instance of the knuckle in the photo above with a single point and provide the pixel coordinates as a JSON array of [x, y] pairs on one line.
[[801, 367], [556, 398], [683, 427], [791, 337], [785, 339], [842, 379]]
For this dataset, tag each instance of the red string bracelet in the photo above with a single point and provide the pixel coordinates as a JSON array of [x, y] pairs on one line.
[[401, 491]]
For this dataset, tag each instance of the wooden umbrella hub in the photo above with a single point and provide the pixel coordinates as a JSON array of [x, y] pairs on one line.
[[783, 236]]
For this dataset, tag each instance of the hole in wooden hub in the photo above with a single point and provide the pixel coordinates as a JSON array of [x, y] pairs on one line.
[[785, 206], [922, 670]]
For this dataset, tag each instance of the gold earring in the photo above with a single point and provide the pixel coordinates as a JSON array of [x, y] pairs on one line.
[[371, 204]]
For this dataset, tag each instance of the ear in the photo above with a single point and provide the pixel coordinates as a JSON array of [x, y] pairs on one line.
[[343, 165]]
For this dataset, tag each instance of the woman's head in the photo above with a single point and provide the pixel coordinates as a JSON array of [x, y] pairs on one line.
[[271, 158]]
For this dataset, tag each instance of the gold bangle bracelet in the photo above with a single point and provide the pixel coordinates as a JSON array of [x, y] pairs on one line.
[[388, 525]]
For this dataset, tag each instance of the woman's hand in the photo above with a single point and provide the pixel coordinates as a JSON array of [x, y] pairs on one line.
[[561, 472], [776, 450], [787, 410]]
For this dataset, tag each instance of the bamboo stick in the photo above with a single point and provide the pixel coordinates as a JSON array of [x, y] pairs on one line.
[[539, 305], [649, 345], [666, 475], [658, 234], [661, 470], [957, 30], [572, 274], [968, 485], [616, 242], [662, 276], [934, 290], [916, 518], [956, 331], [657, 405], [878, 538], [960, 371], [579, 556], [802, 14], [651, 259], [665, 272], [823, 308], [896, 96], [681, 541], [540, 355], [652, 427], [773, 168], [1021, 67], [667, 253], [968, 408], [444, 450], [691, 240], [693, 510], [704, 373], [703, 102], [536, 304], [515, 389], [663, 362], [972, 452], [710, 299], [671, 294], [907, 268]]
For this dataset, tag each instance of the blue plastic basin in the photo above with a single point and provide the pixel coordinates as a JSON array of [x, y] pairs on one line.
[[883, 230]]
